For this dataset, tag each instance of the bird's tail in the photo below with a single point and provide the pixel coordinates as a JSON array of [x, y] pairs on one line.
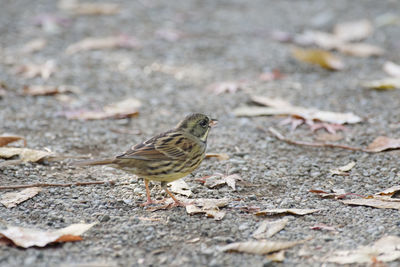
[[92, 162]]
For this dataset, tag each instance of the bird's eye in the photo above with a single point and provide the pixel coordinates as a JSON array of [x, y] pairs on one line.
[[204, 123]]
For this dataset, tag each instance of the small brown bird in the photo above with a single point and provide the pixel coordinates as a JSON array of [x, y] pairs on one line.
[[165, 157]]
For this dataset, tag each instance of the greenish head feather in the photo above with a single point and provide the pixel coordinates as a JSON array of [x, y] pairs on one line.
[[196, 124]]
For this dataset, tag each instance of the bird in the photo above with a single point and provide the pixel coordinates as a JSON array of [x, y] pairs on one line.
[[166, 157]]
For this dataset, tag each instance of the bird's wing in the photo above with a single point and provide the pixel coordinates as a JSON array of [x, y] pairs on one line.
[[166, 146]]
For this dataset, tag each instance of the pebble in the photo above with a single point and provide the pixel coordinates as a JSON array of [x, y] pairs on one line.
[[105, 218], [138, 190], [252, 197], [315, 174]]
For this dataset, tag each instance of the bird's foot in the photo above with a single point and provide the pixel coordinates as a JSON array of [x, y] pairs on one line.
[[169, 204], [176, 204]]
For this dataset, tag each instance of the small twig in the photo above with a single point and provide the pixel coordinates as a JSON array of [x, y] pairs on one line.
[[59, 185], [279, 136]]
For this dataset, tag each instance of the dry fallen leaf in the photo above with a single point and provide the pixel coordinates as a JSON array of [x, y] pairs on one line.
[[318, 57], [286, 211], [225, 87], [347, 167], [360, 49], [213, 181], [40, 90], [12, 199], [277, 256], [341, 40], [353, 30], [111, 42], [260, 247], [334, 193], [210, 203], [382, 143], [332, 42], [34, 70], [27, 237], [220, 179], [87, 8], [209, 207], [34, 45], [180, 187], [383, 84], [385, 249], [4, 140], [281, 107], [344, 169], [392, 69], [25, 154], [216, 214], [387, 199], [323, 40], [372, 202], [124, 109], [267, 229], [391, 191], [219, 156]]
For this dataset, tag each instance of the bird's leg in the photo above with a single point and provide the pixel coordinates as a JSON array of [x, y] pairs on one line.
[[149, 201], [177, 202]]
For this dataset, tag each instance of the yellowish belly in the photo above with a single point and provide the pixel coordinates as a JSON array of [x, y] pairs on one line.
[[164, 171]]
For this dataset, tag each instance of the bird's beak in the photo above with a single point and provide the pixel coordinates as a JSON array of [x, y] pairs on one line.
[[213, 123]]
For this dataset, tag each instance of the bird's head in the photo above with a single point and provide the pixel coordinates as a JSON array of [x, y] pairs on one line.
[[197, 124]]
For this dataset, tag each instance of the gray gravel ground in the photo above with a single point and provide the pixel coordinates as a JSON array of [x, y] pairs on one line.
[[223, 40]]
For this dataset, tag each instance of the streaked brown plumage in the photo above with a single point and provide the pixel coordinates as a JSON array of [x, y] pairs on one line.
[[166, 157]]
